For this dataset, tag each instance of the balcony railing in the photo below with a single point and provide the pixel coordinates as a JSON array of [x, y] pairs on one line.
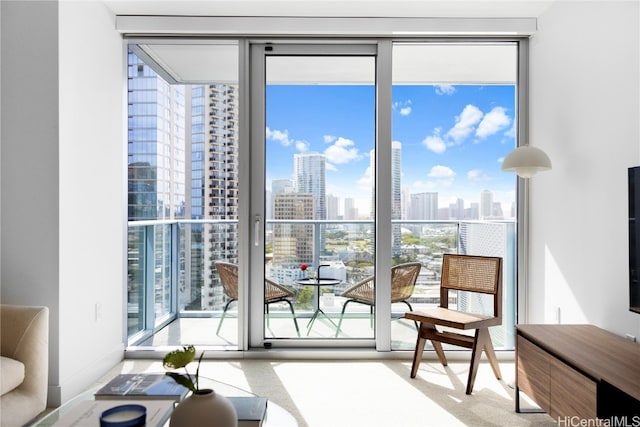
[[171, 268]]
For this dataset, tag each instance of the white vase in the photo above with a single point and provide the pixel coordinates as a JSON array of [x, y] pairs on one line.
[[204, 408]]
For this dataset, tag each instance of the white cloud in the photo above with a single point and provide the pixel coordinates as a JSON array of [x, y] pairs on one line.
[[302, 146], [465, 123], [328, 139], [403, 107], [435, 143], [445, 90], [342, 151], [330, 167], [511, 132], [439, 176], [477, 175], [365, 180], [441, 172], [493, 122], [280, 136]]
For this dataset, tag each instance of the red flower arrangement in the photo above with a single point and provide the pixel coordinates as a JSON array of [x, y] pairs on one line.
[[303, 267]]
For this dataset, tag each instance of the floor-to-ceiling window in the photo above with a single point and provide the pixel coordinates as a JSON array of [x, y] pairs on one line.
[[183, 191], [454, 120], [453, 117]]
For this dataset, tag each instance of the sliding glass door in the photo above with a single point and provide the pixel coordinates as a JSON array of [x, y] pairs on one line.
[[315, 129]]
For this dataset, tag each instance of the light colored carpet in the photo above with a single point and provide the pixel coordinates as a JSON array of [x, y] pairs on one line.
[[371, 393]]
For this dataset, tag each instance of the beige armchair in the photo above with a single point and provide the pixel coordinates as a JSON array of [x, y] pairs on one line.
[[24, 365]]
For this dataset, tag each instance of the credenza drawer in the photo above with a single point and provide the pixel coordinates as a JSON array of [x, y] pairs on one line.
[[556, 387], [572, 394], [533, 372]]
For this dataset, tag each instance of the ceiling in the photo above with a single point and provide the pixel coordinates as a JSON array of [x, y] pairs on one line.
[[197, 62], [334, 8]]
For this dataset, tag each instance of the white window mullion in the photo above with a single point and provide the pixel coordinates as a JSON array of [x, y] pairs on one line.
[[383, 197]]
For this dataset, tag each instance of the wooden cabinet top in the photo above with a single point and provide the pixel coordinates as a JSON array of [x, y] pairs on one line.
[[599, 354]]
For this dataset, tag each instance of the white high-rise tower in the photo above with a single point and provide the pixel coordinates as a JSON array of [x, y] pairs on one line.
[[309, 177]]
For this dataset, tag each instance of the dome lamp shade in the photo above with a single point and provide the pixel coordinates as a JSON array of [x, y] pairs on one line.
[[526, 161]]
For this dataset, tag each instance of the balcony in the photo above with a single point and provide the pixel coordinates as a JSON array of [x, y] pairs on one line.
[[173, 305]]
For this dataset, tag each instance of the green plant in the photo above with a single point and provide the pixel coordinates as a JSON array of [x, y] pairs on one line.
[[180, 359]]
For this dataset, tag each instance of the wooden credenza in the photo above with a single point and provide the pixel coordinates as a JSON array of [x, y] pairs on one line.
[[578, 371]]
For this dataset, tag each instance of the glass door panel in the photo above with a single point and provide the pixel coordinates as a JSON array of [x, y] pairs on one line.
[[319, 138], [454, 120]]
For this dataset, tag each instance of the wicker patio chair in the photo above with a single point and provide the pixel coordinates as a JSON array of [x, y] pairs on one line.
[[403, 280], [466, 273], [273, 292]]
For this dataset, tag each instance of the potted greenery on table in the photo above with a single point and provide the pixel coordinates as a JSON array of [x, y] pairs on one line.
[[203, 408]]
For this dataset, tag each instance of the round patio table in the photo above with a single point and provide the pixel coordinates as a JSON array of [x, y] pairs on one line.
[[318, 283]]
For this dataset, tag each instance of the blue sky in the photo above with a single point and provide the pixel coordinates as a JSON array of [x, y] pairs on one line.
[[453, 137]]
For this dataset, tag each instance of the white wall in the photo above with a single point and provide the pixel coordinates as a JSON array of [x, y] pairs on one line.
[[585, 114], [63, 181], [92, 194], [30, 142]]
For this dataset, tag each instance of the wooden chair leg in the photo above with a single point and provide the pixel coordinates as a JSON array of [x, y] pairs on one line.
[[417, 355], [429, 331], [491, 356], [482, 342], [437, 346]]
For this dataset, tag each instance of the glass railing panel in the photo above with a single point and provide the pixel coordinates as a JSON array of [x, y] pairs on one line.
[[206, 242], [342, 250], [162, 270], [202, 299], [426, 242], [136, 278], [346, 249]]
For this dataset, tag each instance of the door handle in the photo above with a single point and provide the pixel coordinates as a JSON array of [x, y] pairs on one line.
[[256, 231]]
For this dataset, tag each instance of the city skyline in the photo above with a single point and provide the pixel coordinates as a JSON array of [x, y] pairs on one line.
[[453, 138]]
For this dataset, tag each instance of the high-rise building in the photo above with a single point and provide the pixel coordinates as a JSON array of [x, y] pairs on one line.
[[309, 177], [213, 176], [456, 210], [292, 243], [406, 202], [332, 206], [350, 210], [156, 145], [282, 186], [486, 204], [497, 210], [424, 206], [474, 211]]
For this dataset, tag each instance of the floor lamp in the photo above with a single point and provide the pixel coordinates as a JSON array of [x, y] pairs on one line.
[[526, 161]]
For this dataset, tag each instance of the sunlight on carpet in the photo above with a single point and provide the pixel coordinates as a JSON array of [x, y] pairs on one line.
[[321, 393]]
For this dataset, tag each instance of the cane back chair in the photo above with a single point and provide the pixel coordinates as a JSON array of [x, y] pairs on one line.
[[468, 273]]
